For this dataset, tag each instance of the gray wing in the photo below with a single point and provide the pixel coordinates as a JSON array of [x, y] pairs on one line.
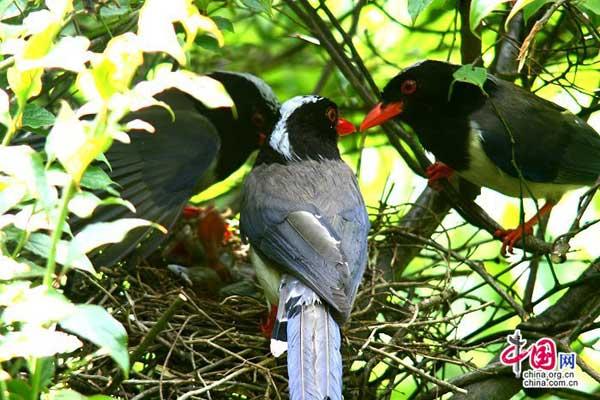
[[326, 252], [306, 246]]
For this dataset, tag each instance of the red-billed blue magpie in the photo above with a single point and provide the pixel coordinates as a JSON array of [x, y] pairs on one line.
[[503, 137], [189, 150], [306, 222]]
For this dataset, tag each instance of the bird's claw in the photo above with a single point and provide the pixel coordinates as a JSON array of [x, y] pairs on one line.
[[437, 171], [511, 236]]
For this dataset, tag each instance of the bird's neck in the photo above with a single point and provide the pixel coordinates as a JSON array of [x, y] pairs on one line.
[[446, 137], [238, 140], [306, 149]]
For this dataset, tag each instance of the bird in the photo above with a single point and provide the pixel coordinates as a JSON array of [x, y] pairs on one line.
[[305, 219], [158, 172], [502, 137]]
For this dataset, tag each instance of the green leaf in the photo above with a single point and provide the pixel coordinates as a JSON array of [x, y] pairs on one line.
[[83, 204], [591, 6], [207, 42], [68, 394], [259, 6], [94, 178], [470, 74], [12, 8], [72, 143], [530, 9], [39, 243], [205, 89], [4, 109], [519, 5], [36, 306], [112, 10], [415, 7], [36, 342], [95, 324], [224, 24], [25, 164], [48, 368], [481, 9], [100, 233], [18, 269], [19, 389], [11, 193], [35, 116]]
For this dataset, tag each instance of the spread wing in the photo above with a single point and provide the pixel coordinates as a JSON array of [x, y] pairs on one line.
[[553, 145], [158, 173]]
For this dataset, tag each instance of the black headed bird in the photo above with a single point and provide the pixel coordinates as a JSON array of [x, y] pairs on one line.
[[306, 222], [506, 139], [159, 172]]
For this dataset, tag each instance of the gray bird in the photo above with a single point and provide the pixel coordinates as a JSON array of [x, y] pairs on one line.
[[306, 221]]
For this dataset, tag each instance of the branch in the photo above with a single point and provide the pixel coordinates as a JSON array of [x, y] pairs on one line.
[[461, 200], [581, 302]]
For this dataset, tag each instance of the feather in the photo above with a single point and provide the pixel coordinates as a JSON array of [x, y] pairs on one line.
[[313, 345]]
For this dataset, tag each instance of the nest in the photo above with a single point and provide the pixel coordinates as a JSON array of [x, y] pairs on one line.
[[197, 343]]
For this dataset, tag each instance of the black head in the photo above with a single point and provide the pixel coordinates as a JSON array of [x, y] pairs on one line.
[[256, 103], [257, 109], [308, 128], [421, 92], [420, 87]]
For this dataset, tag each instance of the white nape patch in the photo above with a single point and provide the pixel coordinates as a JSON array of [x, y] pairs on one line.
[[263, 88], [280, 140], [483, 172], [278, 347]]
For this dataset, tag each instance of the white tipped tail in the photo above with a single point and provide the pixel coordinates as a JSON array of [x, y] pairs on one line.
[[314, 358]]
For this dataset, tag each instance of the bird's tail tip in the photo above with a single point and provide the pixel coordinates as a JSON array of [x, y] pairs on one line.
[[278, 347]]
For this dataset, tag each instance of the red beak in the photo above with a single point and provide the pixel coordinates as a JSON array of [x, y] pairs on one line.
[[344, 127], [380, 114]]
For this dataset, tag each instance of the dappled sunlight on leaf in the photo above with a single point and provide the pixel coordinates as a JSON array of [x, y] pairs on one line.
[[204, 88], [71, 142], [22, 163], [36, 342], [40, 243], [37, 306], [12, 269], [157, 33], [100, 233]]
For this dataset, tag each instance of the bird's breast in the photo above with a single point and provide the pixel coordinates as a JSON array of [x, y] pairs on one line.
[[482, 171]]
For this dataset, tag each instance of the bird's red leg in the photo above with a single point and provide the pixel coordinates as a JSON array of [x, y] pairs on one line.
[[436, 171], [511, 236], [266, 327]]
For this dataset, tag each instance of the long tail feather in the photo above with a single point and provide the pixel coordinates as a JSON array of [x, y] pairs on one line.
[[314, 358]]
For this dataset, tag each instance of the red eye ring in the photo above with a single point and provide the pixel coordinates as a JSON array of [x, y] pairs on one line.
[[408, 87], [331, 114]]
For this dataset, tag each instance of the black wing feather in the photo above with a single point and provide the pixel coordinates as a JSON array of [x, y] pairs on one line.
[[551, 144], [158, 173]]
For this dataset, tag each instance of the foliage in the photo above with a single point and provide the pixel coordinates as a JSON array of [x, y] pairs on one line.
[[39, 188], [72, 70]]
